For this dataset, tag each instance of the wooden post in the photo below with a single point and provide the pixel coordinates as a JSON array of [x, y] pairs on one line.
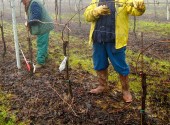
[[66, 54], [56, 9], [144, 87], [144, 93], [2, 34], [167, 7], [30, 53], [79, 13], [155, 8], [60, 11]]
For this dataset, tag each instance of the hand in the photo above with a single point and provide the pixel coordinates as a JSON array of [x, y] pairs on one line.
[[27, 25], [101, 10], [138, 4]]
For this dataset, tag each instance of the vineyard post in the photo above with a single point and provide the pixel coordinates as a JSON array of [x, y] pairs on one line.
[[79, 13], [144, 87], [15, 34], [30, 52], [67, 67], [147, 3], [60, 11], [134, 24], [69, 3], [144, 93], [2, 5], [2, 34], [167, 7], [56, 9], [66, 54], [155, 8]]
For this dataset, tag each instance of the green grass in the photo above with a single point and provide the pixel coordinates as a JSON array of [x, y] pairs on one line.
[[149, 26], [151, 67], [7, 117], [81, 57]]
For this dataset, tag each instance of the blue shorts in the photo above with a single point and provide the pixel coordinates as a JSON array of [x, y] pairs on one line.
[[104, 51]]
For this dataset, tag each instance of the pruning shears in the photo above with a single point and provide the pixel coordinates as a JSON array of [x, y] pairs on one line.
[[28, 62]]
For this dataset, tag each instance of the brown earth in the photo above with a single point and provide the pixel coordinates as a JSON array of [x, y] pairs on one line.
[[43, 98]]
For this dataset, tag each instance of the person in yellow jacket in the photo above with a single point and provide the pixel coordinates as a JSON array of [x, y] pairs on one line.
[[109, 35]]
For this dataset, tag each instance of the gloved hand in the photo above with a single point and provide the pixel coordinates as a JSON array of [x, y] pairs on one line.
[[101, 10], [138, 4]]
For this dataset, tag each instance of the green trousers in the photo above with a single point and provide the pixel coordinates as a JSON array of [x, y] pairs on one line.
[[42, 48]]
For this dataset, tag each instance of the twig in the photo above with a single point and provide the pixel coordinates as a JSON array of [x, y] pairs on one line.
[[48, 85]]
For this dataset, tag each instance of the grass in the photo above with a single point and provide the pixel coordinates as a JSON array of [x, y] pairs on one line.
[[149, 26], [81, 57], [7, 117]]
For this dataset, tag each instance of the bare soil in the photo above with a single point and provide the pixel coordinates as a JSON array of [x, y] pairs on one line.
[[44, 97]]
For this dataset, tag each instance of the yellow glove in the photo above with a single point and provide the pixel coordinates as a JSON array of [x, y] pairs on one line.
[[101, 10], [138, 4]]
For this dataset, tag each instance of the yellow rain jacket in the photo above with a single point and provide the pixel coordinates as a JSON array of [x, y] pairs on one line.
[[124, 8]]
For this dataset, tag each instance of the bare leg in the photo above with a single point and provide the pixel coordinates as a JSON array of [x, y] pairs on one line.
[[102, 79], [125, 88]]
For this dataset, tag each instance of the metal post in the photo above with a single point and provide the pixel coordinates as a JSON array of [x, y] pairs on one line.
[[15, 34]]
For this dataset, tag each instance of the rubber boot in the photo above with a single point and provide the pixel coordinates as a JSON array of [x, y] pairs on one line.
[[127, 97], [102, 80]]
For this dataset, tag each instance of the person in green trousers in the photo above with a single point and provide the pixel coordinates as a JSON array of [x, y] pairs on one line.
[[40, 24]]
